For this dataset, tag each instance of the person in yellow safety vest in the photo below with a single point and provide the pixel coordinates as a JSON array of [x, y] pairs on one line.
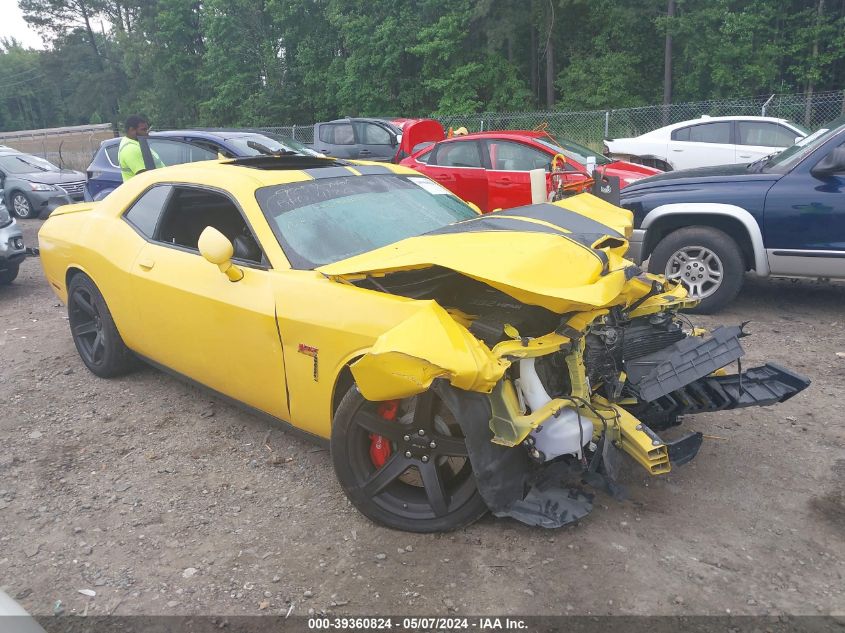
[[129, 155]]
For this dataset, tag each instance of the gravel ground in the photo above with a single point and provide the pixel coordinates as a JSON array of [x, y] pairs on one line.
[[164, 500]]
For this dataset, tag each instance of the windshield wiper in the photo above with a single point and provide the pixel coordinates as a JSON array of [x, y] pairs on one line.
[[28, 164], [757, 165], [269, 152]]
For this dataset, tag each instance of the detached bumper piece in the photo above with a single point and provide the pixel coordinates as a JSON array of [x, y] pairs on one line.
[[757, 387], [684, 449], [663, 372]]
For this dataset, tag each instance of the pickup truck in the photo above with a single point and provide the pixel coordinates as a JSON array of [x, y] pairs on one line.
[[374, 139], [782, 215]]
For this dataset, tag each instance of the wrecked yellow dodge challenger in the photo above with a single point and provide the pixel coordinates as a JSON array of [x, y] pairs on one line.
[[457, 362]]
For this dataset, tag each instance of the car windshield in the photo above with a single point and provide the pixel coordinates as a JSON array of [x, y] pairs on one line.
[[574, 151], [791, 156], [256, 144], [25, 164], [326, 220]]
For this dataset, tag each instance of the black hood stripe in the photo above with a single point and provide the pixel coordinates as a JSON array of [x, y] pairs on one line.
[[561, 217], [486, 223], [369, 170], [504, 222]]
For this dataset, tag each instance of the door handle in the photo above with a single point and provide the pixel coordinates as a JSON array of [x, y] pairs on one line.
[[146, 263], [677, 150], [505, 180], [745, 155], [365, 151], [441, 177]]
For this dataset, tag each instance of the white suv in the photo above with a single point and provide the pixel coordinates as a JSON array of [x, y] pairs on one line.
[[707, 141]]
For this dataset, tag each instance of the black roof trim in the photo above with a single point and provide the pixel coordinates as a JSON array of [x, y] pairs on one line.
[[298, 161]]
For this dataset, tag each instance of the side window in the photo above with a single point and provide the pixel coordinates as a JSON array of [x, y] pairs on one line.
[[111, 153], [203, 146], [681, 134], [458, 154], [510, 156], [711, 133], [765, 134], [372, 134], [178, 152], [189, 211], [425, 157], [337, 134], [144, 214]]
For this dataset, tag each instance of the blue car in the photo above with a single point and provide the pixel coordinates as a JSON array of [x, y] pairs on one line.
[[186, 146], [781, 216]]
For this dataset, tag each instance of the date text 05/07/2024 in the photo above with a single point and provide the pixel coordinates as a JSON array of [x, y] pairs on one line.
[[416, 623]]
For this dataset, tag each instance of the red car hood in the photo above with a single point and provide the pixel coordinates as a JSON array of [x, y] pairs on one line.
[[416, 131], [629, 171]]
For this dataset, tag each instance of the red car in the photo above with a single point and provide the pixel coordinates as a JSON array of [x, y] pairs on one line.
[[491, 169]]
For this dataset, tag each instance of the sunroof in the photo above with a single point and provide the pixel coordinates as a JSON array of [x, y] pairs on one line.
[[297, 161]]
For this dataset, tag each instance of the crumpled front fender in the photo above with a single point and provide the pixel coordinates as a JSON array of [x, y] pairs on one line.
[[430, 344]]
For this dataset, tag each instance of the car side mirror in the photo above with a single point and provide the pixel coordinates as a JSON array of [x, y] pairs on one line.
[[798, 139], [217, 249], [833, 163]]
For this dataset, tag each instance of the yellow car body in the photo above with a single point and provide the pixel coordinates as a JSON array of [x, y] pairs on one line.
[[289, 340]]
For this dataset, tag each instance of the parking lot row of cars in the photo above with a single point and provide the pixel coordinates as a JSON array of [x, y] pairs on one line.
[[779, 214]]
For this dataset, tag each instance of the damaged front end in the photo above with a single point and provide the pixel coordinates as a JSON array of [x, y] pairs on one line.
[[551, 393]]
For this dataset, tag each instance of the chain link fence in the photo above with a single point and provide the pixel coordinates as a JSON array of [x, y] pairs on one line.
[[73, 147], [68, 147], [591, 127], [301, 133]]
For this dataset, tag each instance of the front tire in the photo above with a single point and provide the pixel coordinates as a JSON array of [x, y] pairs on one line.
[[425, 483], [8, 275], [706, 260], [94, 333], [21, 206]]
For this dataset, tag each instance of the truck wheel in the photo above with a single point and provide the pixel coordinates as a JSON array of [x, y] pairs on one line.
[[8, 275], [707, 261]]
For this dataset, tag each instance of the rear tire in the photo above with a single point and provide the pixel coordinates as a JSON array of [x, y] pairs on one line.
[[94, 333], [8, 275], [434, 490], [708, 262]]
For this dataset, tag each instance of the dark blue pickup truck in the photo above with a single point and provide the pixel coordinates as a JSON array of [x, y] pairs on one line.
[[781, 216]]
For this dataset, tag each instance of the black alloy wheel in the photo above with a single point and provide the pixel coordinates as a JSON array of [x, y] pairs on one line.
[[94, 332], [425, 482]]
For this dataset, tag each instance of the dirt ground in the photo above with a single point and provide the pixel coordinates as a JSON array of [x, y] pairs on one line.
[[165, 500]]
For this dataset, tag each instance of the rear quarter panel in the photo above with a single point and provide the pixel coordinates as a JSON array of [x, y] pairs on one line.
[[89, 238]]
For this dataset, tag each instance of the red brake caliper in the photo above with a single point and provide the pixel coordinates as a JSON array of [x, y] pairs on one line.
[[379, 446]]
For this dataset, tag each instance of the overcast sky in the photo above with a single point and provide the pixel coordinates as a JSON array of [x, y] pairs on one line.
[[12, 25]]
